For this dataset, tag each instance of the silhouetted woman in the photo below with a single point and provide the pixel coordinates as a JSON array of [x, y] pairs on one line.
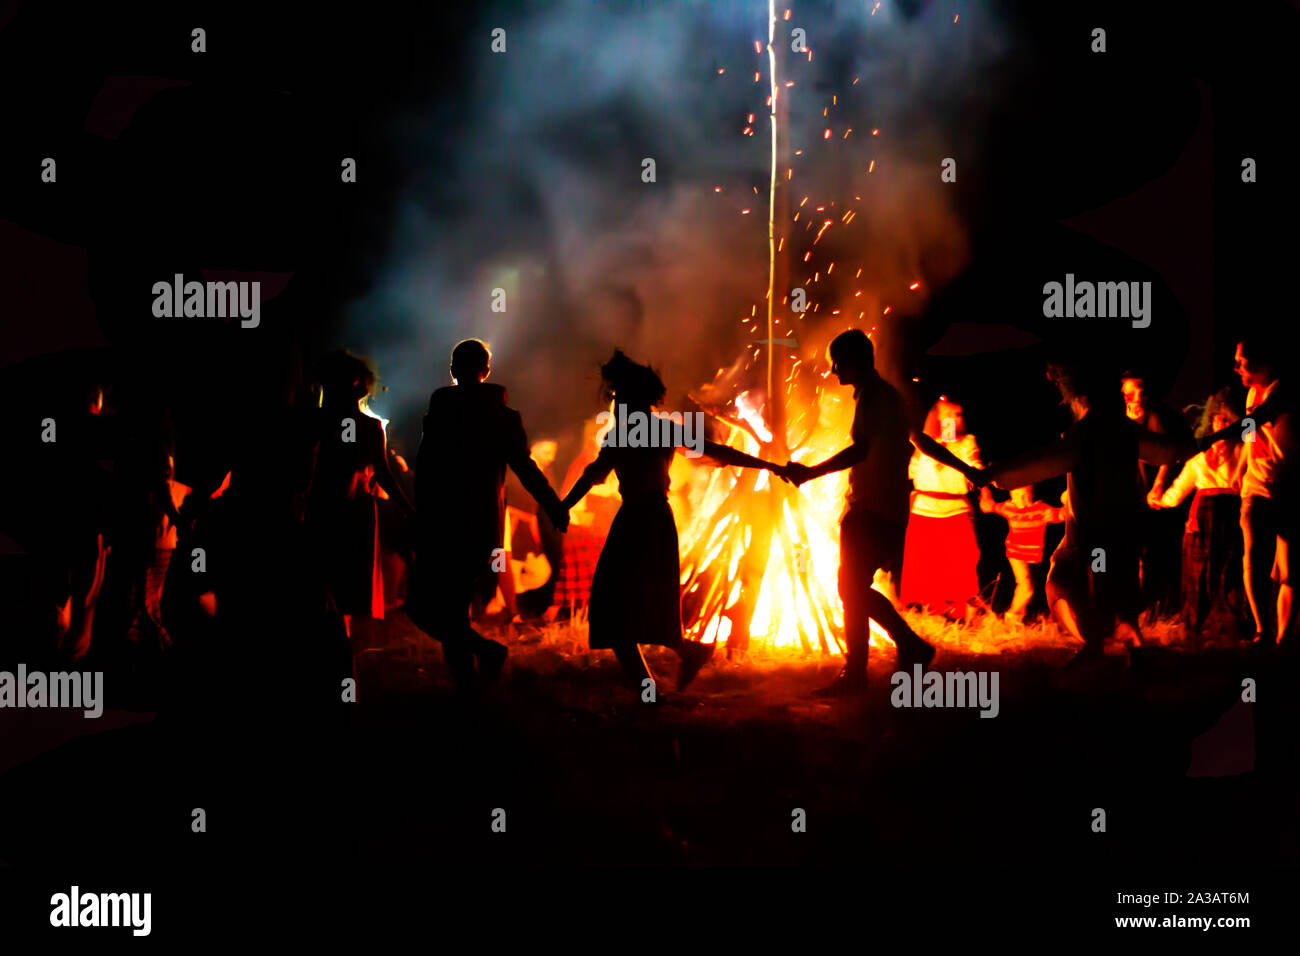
[[351, 459], [636, 588]]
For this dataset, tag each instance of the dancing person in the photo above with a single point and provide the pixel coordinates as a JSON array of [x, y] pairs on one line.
[[470, 437], [940, 555], [1161, 528], [874, 526], [1093, 582], [1212, 543], [1268, 487], [1027, 520], [352, 457], [636, 587]]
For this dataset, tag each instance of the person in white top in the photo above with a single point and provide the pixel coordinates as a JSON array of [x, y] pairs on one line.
[[1212, 544], [940, 554], [1267, 487]]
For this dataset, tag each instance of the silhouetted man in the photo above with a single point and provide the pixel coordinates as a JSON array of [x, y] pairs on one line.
[[470, 436], [1093, 584], [874, 526]]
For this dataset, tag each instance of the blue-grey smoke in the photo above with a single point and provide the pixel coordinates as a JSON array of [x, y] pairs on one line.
[[533, 184]]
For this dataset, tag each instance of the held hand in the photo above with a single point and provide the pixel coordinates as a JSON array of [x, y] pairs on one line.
[[796, 473], [561, 520], [1153, 499]]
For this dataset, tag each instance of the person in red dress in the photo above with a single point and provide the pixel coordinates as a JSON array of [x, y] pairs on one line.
[[940, 554]]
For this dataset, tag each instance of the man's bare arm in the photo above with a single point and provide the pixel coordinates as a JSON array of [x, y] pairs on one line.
[[845, 458], [1035, 465], [1158, 449], [727, 455]]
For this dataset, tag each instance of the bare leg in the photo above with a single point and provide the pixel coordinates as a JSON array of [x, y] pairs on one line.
[[1024, 589], [1282, 574], [1259, 549], [1065, 617], [1067, 593], [1128, 633], [884, 580]]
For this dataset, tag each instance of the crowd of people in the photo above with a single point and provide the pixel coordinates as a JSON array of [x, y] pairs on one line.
[[144, 569]]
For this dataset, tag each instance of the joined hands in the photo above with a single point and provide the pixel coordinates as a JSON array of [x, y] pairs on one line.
[[794, 472], [560, 518]]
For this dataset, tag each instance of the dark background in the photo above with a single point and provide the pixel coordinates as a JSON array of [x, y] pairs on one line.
[[1122, 166], [1117, 166]]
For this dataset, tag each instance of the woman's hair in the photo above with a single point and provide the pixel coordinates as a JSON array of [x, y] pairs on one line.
[[934, 420], [1221, 402], [344, 376], [630, 383], [1095, 385]]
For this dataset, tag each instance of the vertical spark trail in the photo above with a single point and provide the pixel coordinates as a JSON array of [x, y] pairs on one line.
[[771, 202]]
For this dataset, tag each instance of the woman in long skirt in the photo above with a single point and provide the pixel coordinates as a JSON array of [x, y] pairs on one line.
[[351, 462], [940, 554], [636, 588], [1212, 546]]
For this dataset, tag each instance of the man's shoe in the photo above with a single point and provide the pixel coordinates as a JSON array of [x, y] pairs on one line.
[[695, 655], [847, 684], [491, 658], [918, 652]]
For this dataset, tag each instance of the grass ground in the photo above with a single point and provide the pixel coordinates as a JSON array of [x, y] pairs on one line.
[[713, 775], [583, 773]]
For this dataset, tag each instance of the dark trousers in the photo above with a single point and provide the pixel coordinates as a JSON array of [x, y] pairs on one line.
[[443, 586], [868, 543], [1212, 561], [1161, 559]]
